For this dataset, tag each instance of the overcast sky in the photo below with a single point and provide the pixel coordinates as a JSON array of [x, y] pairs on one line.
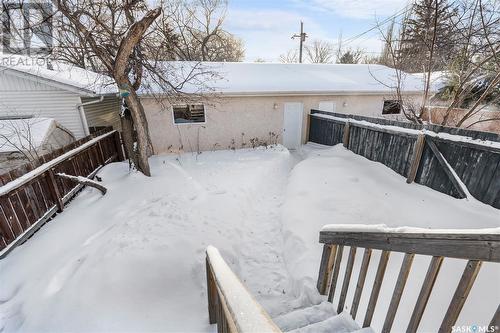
[[267, 25]]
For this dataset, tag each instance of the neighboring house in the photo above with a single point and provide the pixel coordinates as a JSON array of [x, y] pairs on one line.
[[266, 103], [25, 139], [485, 118], [438, 80], [76, 98]]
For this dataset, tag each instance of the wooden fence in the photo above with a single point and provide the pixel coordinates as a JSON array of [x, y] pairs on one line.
[[33, 194], [441, 158]]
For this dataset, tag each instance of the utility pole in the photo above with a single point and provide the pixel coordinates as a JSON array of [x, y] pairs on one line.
[[302, 37]]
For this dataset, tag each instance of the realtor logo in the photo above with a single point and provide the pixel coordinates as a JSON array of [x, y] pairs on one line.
[[474, 329], [26, 28]]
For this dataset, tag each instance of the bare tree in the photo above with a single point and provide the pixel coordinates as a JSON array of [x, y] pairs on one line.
[[475, 67], [320, 52], [351, 56], [112, 33], [17, 135], [347, 55], [393, 58], [475, 71], [290, 57], [121, 40], [198, 25]]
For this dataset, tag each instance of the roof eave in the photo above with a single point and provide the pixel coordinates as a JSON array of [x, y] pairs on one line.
[[296, 93], [53, 83]]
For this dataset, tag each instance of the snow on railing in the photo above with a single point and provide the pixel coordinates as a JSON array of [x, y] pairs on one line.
[[413, 132], [475, 246], [30, 200], [230, 304], [11, 186]]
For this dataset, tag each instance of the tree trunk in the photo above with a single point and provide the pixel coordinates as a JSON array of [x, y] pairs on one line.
[[128, 136], [144, 148]]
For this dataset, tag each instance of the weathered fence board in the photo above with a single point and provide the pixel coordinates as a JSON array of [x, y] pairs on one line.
[[477, 166], [28, 202]]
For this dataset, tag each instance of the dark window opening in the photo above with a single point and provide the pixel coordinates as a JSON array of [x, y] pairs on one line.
[[191, 113], [391, 107]]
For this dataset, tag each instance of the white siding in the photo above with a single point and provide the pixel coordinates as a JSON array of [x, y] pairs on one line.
[[21, 96], [105, 113], [11, 82]]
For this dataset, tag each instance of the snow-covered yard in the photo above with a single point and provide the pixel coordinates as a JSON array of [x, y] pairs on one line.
[[133, 260]]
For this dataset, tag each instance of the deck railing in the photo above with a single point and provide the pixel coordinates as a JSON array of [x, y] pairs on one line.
[[30, 197], [230, 304], [475, 248]]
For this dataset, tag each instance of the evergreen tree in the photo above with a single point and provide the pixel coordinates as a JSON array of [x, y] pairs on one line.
[[428, 29]]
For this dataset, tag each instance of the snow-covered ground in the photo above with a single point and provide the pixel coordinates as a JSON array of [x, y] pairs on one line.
[[336, 186], [133, 260]]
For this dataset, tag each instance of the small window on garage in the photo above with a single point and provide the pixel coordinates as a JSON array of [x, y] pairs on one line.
[[391, 106], [328, 106], [189, 113]]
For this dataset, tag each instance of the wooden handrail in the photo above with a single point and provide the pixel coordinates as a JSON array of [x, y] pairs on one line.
[[230, 304], [30, 197], [440, 244], [484, 247], [16, 183]]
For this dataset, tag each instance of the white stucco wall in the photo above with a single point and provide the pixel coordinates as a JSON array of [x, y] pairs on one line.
[[255, 116]]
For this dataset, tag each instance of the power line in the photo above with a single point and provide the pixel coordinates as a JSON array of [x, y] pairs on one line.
[[397, 14]]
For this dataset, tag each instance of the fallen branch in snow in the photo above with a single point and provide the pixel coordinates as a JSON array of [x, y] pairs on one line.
[[84, 181]]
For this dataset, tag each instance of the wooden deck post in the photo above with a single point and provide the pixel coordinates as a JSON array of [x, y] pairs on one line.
[[398, 292], [377, 284], [361, 282], [10, 218], [461, 293], [345, 138], [325, 268], [416, 157], [54, 190], [425, 293], [101, 153], [211, 294], [336, 270], [118, 146], [347, 279]]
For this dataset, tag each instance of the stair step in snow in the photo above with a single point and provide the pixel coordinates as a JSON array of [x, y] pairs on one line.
[[306, 316], [341, 323]]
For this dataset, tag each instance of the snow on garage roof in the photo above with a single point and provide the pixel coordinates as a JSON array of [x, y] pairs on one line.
[[438, 80], [239, 78], [67, 75], [24, 134]]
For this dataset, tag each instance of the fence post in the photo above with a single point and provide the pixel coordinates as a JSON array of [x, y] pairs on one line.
[[101, 153], [212, 294], [55, 191], [118, 146], [345, 138], [416, 157]]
